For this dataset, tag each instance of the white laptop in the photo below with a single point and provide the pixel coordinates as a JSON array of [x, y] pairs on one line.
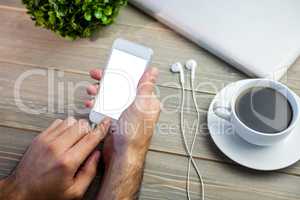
[[258, 37]]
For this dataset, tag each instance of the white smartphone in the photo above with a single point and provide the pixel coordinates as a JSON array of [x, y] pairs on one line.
[[127, 63]]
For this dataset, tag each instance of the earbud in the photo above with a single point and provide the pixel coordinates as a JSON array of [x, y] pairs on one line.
[[192, 65], [178, 68]]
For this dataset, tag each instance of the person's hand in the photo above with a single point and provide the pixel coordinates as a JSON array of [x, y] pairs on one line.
[[126, 147], [59, 165], [134, 129]]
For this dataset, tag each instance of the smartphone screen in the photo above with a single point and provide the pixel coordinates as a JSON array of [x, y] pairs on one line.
[[119, 84]]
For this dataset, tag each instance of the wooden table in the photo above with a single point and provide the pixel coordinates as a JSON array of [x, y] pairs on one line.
[[23, 47]]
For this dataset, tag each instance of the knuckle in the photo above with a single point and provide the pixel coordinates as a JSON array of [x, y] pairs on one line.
[[50, 149], [58, 121], [51, 152], [70, 121], [64, 165], [84, 125]]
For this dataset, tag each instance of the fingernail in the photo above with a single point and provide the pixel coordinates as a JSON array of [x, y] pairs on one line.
[[106, 122], [87, 103]]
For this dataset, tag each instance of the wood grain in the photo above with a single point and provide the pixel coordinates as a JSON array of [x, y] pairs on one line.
[[163, 180], [34, 94], [82, 55], [25, 48]]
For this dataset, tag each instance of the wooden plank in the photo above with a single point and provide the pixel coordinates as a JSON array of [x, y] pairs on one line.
[[132, 25], [33, 47], [49, 50], [221, 181], [82, 55], [165, 181], [167, 138], [12, 3]]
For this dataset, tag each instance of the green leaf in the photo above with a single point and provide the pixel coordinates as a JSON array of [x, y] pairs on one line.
[[87, 32], [108, 10], [84, 7], [88, 16], [73, 18], [70, 37], [98, 13], [52, 17], [39, 13]]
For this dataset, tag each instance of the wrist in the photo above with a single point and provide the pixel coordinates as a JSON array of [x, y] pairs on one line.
[[9, 189], [131, 155], [123, 175]]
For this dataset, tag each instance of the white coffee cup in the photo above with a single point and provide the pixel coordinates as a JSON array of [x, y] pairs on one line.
[[228, 112]]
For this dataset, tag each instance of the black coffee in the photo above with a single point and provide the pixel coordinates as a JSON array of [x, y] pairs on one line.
[[264, 109]]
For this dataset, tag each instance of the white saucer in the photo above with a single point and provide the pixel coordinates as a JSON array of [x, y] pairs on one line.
[[278, 156]]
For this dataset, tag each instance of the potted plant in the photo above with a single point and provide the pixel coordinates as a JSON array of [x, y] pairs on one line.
[[73, 18]]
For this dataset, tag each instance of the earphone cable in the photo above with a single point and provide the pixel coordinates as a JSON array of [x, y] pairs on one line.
[[193, 143], [189, 152]]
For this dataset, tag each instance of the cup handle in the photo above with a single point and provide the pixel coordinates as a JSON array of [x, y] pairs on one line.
[[222, 111]]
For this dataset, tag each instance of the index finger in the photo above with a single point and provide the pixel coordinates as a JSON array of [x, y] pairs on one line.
[[84, 147]]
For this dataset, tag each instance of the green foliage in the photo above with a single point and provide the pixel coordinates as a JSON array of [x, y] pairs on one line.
[[73, 18]]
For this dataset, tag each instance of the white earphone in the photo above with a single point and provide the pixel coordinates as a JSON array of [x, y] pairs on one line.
[[192, 65], [178, 68]]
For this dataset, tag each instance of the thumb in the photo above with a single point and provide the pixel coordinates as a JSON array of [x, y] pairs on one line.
[[147, 82], [87, 172]]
